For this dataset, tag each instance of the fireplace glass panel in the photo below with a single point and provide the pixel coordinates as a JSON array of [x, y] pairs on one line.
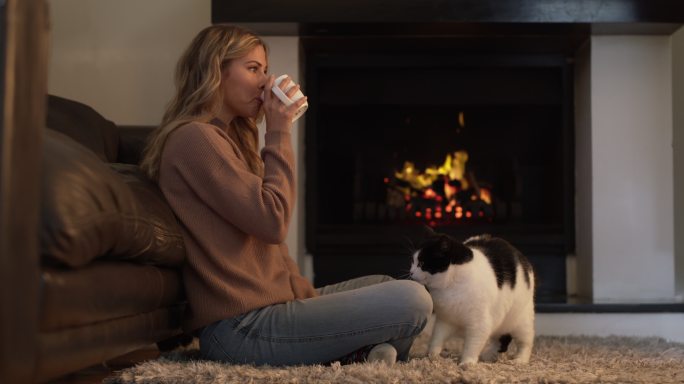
[[374, 123]]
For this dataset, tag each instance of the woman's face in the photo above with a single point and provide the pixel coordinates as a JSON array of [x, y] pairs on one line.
[[242, 82]]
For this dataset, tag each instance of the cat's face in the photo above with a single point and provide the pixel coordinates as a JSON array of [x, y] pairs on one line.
[[436, 255]]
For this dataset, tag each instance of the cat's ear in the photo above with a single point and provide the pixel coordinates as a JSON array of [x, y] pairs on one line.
[[424, 233], [428, 231], [444, 243]]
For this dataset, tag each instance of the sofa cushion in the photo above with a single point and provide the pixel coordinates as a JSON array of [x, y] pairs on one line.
[[90, 210], [85, 125], [105, 290]]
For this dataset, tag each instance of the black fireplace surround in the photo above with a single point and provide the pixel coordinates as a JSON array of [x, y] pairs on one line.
[[374, 108], [397, 86]]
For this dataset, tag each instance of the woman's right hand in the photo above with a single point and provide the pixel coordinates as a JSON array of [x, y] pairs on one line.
[[278, 115]]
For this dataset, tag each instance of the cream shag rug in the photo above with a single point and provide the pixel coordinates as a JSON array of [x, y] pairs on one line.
[[576, 359]]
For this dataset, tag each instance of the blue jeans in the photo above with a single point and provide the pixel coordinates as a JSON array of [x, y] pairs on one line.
[[344, 318]]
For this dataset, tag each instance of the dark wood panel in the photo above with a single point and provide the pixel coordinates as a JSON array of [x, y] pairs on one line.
[[24, 69], [479, 11]]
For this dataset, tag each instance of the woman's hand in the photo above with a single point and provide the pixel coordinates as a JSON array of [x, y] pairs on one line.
[[278, 115]]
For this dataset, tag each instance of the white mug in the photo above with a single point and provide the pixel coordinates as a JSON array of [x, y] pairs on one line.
[[286, 100]]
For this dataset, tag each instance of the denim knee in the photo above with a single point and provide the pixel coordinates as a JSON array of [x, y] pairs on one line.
[[415, 296]]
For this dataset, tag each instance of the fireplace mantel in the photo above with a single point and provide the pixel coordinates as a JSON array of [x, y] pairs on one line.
[[439, 17]]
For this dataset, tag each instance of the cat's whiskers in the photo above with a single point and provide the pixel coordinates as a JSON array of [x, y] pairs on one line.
[[404, 276], [408, 243]]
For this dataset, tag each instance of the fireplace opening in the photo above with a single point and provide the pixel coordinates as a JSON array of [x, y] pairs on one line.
[[463, 143], [405, 164]]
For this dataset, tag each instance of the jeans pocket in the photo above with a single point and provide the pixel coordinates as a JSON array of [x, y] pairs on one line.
[[244, 323]]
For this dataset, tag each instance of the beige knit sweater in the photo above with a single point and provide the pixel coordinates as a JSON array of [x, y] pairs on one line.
[[234, 222]]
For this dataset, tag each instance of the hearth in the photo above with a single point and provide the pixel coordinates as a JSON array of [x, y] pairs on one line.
[[464, 141]]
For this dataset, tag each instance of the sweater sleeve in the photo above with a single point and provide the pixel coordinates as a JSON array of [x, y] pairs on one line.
[[208, 163]]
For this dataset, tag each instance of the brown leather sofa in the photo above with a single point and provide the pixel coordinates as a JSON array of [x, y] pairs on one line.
[[110, 246]]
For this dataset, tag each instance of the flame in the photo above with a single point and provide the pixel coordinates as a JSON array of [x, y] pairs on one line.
[[486, 195], [440, 194], [452, 169]]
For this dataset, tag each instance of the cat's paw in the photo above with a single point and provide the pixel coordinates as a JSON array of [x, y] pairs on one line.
[[520, 360], [467, 362], [434, 353]]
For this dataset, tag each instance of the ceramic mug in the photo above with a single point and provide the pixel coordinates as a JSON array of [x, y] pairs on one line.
[[286, 100]]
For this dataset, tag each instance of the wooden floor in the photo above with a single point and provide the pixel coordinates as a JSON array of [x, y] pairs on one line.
[[96, 374]]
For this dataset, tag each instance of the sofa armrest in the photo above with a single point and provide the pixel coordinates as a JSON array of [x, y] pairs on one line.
[[132, 141], [83, 124], [91, 209]]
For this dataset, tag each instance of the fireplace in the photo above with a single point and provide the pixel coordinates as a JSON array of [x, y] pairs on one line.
[[626, 58], [465, 142]]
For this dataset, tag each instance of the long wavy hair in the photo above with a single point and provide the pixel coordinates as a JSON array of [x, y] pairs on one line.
[[198, 96]]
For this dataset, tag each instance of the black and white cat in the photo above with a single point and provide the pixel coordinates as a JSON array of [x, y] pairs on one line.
[[482, 290]]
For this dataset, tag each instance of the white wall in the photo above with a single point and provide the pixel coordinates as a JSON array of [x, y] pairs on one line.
[[119, 56], [678, 147], [632, 167]]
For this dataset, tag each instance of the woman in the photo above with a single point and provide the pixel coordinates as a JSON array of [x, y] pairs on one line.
[[247, 300]]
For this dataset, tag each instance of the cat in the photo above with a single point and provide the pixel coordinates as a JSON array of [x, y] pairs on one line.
[[482, 290]]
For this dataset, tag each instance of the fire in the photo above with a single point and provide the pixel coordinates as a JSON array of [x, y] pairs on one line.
[[440, 194], [486, 195], [453, 168]]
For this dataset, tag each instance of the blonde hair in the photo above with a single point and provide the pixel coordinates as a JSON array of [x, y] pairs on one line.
[[198, 79]]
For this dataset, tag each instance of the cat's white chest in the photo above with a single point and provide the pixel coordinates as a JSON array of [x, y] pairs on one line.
[[469, 291], [445, 310], [456, 306]]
